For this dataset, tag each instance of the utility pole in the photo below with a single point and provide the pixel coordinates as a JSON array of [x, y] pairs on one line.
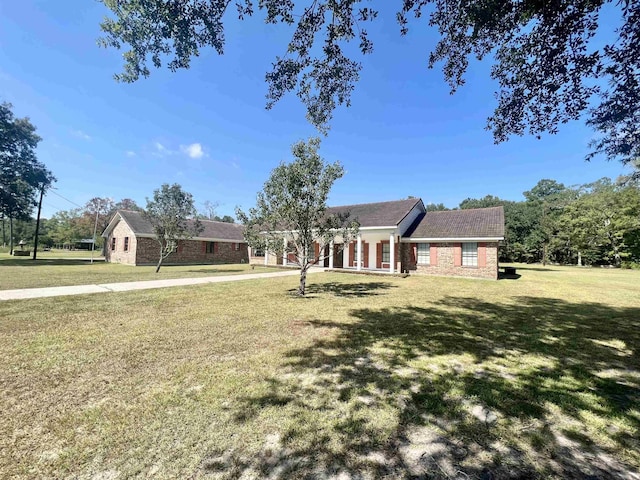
[[95, 227], [35, 241]]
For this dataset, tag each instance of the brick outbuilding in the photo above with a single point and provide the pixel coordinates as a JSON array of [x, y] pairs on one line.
[[129, 238]]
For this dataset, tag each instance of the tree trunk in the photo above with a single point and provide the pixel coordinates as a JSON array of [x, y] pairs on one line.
[[10, 235], [579, 259], [4, 237], [159, 262], [303, 280]]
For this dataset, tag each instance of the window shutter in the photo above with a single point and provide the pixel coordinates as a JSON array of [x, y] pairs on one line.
[[433, 254], [414, 254], [365, 254], [204, 247], [215, 247], [316, 251], [379, 255], [482, 255], [352, 251], [457, 254]]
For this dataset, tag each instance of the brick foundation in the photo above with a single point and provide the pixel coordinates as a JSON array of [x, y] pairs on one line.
[[444, 265]]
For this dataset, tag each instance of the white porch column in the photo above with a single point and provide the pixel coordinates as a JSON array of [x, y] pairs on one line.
[[345, 255], [392, 248], [284, 252], [266, 258], [331, 254], [359, 253]]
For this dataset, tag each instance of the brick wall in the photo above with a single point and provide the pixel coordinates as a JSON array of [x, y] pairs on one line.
[[191, 252], [445, 263], [120, 231]]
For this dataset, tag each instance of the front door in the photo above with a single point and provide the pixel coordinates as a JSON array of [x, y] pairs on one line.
[[338, 255]]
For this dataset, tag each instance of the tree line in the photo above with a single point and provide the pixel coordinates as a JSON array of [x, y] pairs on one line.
[[596, 223], [67, 227]]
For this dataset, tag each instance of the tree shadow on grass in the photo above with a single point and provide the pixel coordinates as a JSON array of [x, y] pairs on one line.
[[339, 289], [28, 262], [538, 388]]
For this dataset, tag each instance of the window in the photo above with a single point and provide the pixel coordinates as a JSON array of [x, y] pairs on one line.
[[257, 252], [210, 247], [470, 254], [113, 244], [126, 244], [386, 253], [424, 254], [237, 246]]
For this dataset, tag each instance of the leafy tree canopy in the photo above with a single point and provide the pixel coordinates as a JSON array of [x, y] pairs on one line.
[[292, 207], [549, 67], [173, 216]]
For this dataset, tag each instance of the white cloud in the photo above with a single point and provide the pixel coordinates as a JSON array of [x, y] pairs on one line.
[[80, 134], [130, 153], [159, 147], [194, 150]]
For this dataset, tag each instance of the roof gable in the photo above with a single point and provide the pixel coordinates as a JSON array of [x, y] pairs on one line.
[[460, 224], [379, 214]]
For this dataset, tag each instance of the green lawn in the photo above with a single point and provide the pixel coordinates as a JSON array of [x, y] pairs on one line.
[[71, 268], [383, 377]]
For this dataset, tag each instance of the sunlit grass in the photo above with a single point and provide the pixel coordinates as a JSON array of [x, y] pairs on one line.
[[385, 377], [53, 269]]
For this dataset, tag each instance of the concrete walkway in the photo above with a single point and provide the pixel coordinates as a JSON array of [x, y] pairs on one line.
[[145, 285]]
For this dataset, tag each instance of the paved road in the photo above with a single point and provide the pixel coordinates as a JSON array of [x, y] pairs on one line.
[[127, 286]]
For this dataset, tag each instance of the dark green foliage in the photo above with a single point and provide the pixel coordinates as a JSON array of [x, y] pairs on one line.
[[173, 216], [435, 207], [22, 176], [596, 223], [548, 68], [293, 206]]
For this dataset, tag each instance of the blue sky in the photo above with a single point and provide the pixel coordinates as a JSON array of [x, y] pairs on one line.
[[207, 129]]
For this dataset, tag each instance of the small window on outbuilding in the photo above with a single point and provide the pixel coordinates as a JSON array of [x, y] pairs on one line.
[[126, 244], [113, 244], [470, 254], [211, 247]]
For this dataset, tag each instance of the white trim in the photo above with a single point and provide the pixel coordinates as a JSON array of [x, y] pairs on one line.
[[454, 239]]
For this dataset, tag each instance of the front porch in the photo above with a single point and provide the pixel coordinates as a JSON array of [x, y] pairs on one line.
[[371, 251]]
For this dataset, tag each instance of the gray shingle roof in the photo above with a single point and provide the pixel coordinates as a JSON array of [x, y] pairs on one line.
[[379, 214], [232, 232], [470, 223]]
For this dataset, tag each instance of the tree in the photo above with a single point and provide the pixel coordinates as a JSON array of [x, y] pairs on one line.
[[291, 214], [22, 176], [127, 204], [209, 213], [435, 207], [96, 215], [547, 66], [172, 215], [603, 222]]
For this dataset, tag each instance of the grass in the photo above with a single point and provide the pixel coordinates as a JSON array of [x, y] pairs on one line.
[[367, 377], [53, 269]]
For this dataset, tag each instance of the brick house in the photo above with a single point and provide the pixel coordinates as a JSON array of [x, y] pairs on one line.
[[450, 243], [129, 238]]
